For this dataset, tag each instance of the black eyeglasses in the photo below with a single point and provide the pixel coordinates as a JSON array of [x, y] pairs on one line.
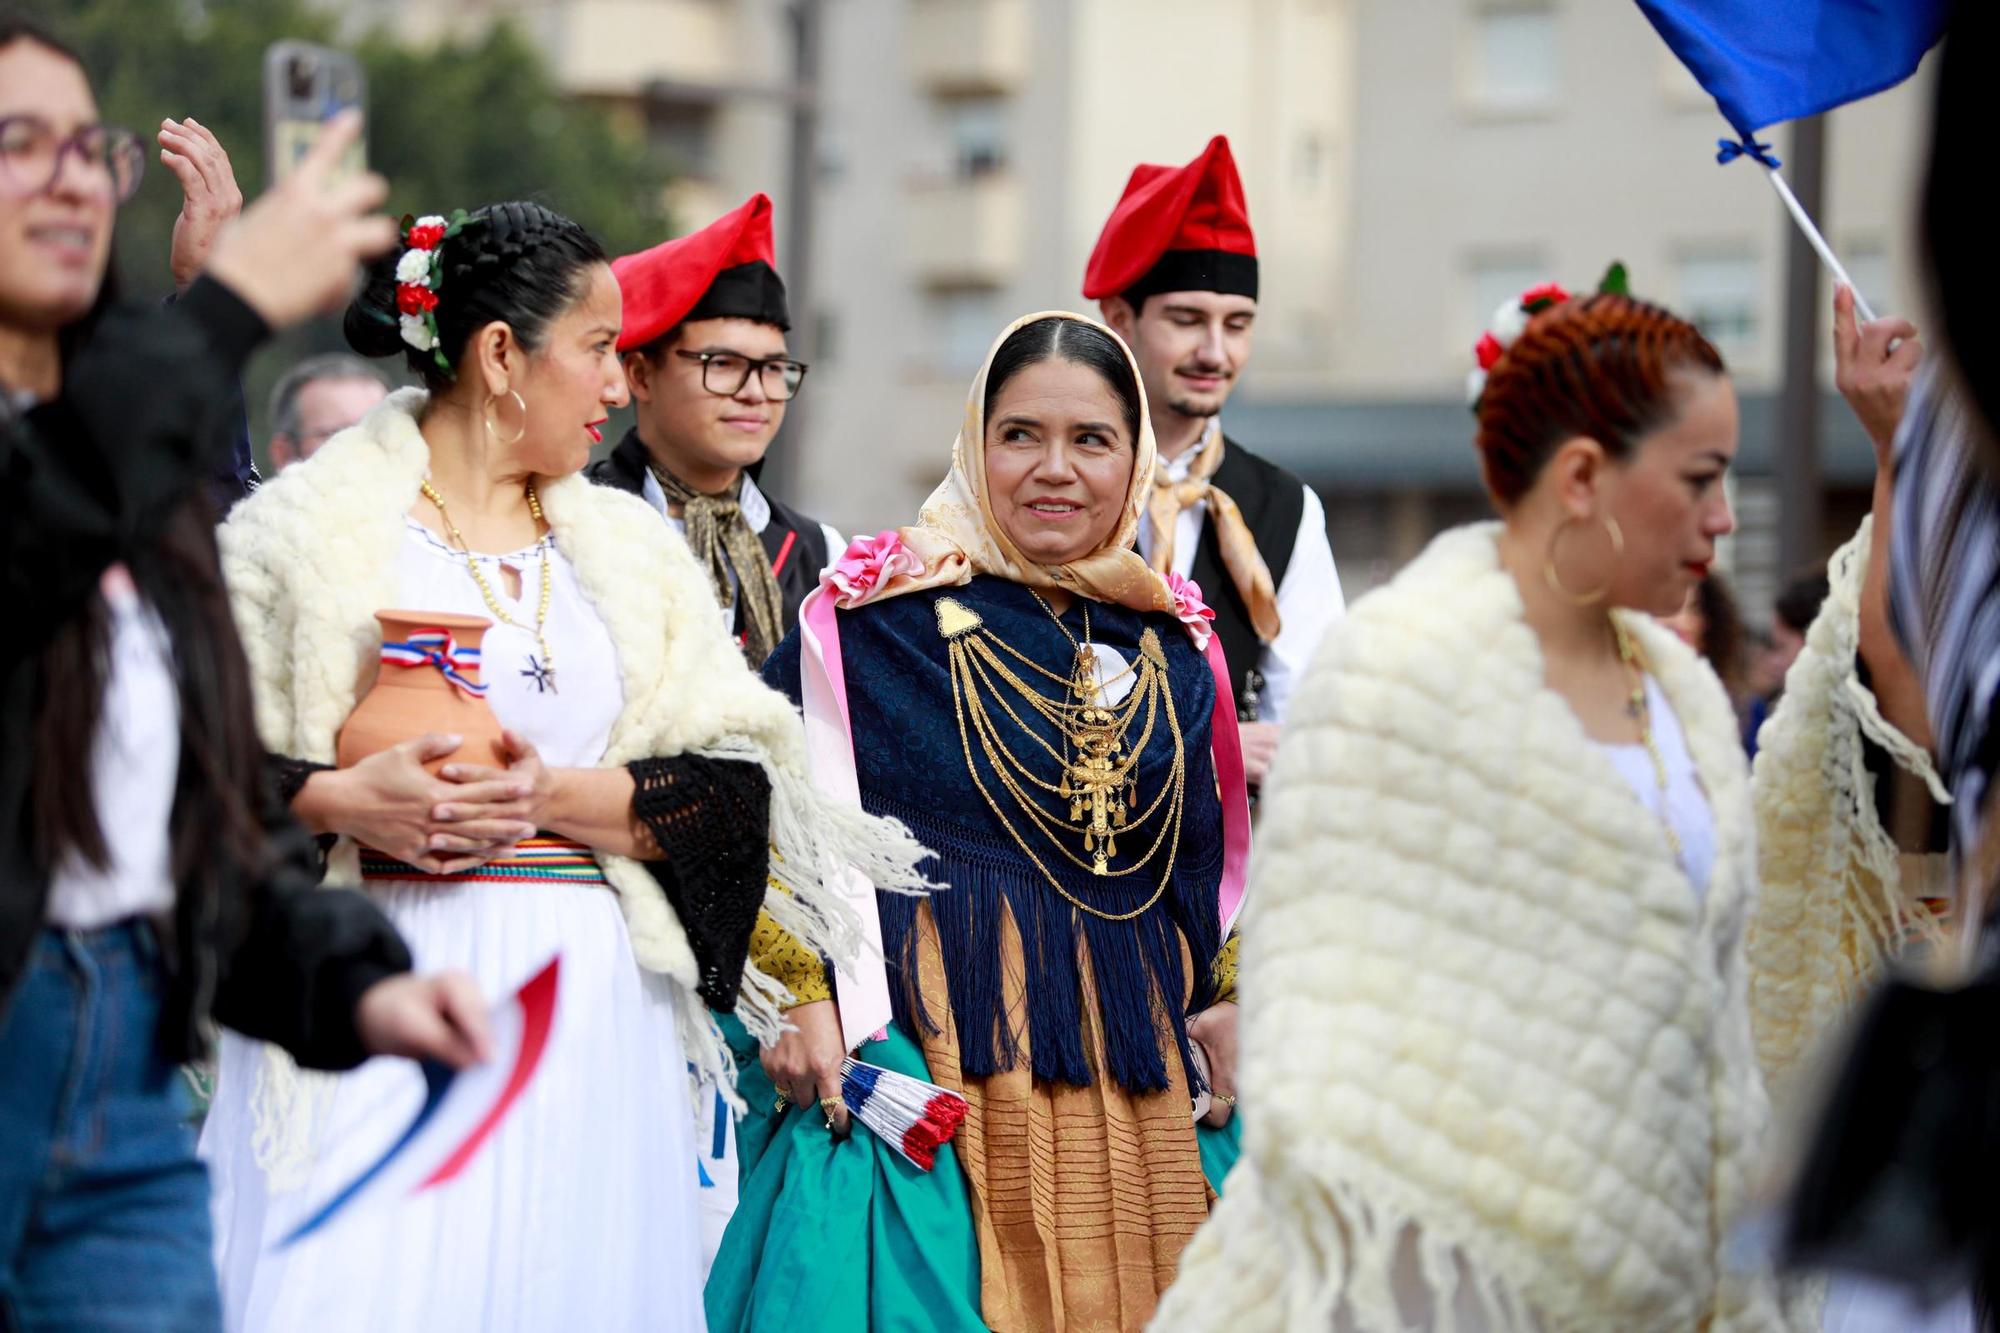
[[31, 155], [725, 373]]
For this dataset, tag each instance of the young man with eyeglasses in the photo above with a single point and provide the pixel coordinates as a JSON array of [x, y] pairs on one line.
[[705, 354]]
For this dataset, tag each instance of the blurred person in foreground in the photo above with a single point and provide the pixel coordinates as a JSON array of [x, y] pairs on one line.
[[316, 400], [1175, 273], [149, 880], [1496, 1056]]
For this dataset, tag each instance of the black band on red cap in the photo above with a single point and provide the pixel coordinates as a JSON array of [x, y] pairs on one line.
[[747, 291], [1197, 271]]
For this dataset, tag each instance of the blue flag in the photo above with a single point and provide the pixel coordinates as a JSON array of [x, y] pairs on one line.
[[1766, 61]]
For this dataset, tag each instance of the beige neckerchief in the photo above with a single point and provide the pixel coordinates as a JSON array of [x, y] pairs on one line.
[[1240, 556]]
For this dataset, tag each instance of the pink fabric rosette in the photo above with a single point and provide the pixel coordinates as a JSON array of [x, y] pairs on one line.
[[1191, 611], [870, 563]]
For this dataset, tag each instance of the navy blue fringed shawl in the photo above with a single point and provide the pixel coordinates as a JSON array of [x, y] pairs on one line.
[[912, 766]]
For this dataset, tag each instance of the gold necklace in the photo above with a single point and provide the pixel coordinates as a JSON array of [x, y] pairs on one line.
[[1096, 768], [1637, 705], [542, 672], [1086, 657]]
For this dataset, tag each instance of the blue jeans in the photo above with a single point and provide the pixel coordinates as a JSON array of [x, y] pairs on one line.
[[104, 1220]]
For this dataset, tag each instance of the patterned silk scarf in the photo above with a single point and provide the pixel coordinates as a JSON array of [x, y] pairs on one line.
[[722, 541], [1240, 556]]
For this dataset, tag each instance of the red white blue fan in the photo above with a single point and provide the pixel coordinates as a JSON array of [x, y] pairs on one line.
[[913, 1117]]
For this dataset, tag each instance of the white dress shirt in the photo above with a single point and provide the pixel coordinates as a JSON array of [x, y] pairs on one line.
[[1309, 596]]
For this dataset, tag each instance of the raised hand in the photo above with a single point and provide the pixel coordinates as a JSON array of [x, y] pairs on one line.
[[1873, 365], [210, 199], [295, 252]]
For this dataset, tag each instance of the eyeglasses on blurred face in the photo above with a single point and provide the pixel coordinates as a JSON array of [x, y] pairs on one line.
[[32, 153]]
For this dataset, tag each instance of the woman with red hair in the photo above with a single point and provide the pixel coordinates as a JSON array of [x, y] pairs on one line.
[[1495, 1043]]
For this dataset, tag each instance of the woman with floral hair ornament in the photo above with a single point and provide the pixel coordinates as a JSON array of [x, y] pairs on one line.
[[1504, 873], [1049, 716], [653, 801]]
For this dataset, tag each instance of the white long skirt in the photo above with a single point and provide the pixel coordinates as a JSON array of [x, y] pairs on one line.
[[579, 1214]]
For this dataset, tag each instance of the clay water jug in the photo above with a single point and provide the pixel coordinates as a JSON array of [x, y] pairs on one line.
[[414, 690]]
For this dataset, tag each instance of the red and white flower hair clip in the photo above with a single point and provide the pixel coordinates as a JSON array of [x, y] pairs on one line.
[[1510, 321], [419, 274]]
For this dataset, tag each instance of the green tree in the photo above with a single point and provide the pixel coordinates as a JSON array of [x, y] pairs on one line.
[[452, 126]]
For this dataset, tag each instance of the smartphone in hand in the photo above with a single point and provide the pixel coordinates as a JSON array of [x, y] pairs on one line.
[[304, 87]]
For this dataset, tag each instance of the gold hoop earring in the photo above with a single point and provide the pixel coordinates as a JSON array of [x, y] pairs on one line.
[[1554, 580], [487, 413]]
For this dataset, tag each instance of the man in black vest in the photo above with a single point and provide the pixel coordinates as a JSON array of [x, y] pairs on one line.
[[1175, 271], [705, 354]]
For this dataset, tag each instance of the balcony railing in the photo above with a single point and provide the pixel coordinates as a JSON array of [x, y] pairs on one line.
[[966, 232], [967, 47]]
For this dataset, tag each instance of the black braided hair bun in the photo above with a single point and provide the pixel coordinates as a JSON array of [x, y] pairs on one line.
[[518, 263]]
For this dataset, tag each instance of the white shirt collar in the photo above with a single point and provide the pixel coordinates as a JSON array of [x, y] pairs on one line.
[[756, 509], [1177, 468]]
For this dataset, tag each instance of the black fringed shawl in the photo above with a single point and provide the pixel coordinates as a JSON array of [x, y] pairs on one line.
[[912, 766]]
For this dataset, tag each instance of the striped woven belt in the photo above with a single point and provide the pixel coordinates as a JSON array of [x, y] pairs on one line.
[[534, 860]]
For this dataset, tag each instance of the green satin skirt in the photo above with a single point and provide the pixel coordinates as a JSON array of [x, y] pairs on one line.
[[845, 1234]]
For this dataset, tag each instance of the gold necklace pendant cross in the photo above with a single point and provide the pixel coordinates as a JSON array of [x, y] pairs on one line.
[[1095, 785]]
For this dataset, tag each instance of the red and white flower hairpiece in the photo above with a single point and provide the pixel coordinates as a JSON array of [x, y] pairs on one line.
[[419, 273], [1509, 322]]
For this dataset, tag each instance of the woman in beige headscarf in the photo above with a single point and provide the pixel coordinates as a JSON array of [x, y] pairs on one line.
[[1033, 702]]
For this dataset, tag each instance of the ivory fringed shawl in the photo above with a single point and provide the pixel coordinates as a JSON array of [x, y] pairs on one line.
[[1837, 896], [1486, 1020], [309, 559]]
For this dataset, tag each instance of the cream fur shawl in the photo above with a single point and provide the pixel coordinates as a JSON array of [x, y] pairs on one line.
[[1493, 1048], [310, 557], [1838, 898]]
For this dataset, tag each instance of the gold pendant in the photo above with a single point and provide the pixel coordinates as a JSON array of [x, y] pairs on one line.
[[1094, 784], [955, 618]]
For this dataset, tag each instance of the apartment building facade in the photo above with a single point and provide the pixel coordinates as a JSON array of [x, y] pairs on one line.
[[1407, 162]]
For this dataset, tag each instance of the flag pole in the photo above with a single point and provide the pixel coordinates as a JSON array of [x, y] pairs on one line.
[[1819, 245]]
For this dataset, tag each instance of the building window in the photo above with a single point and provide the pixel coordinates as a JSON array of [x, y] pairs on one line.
[[976, 128], [1720, 294], [1513, 57], [826, 331], [1312, 156], [967, 323], [1495, 280], [681, 134]]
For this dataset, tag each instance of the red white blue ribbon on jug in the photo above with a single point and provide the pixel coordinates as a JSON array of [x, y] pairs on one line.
[[436, 647]]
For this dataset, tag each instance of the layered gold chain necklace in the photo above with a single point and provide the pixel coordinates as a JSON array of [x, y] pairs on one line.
[[542, 670], [1096, 770]]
